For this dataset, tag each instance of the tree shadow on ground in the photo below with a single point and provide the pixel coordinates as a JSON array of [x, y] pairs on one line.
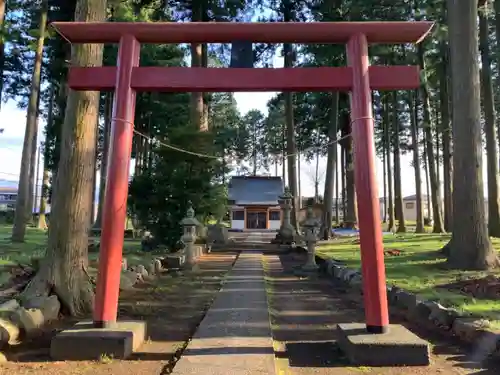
[[310, 340], [172, 307]]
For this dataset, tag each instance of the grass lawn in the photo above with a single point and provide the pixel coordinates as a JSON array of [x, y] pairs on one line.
[[420, 269], [35, 244]]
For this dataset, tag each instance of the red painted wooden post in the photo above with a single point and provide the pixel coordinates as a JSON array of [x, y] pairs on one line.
[[370, 228], [115, 199]]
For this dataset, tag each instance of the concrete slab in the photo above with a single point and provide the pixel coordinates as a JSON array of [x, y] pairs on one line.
[[84, 342], [235, 335], [397, 347]]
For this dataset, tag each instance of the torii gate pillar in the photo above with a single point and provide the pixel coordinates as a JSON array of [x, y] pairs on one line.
[[372, 259]]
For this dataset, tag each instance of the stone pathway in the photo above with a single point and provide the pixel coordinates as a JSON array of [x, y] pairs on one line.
[[235, 335]]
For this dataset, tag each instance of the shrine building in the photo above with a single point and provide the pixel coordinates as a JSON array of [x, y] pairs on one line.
[[253, 203]]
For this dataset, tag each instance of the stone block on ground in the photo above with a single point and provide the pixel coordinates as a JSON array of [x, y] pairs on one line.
[[442, 316], [9, 332], [84, 342], [175, 260], [7, 308], [50, 306], [398, 347], [128, 279], [30, 320], [470, 329]]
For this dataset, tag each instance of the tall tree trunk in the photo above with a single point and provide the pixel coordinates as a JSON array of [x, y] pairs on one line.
[[299, 185], [33, 166], [30, 135], [283, 154], [2, 46], [496, 5], [330, 167], [42, 220], [384, 181], [343, 177], [470, 246], [316, 179], [37, 178], [427, 121], [489, 127], [446, 138], [351, 218], [416, 164], [427, 182], [64, 267], [398, 196], [291, 148], [337, 208], [94, 176], [197, 103], [387, 140], [108, 109]]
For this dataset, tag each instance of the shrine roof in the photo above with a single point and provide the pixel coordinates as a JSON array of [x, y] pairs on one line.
[[394, 32], [247, 190]]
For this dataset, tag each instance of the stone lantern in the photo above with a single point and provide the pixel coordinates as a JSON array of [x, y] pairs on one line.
[[311, 231], [189, 223], [286, 234]]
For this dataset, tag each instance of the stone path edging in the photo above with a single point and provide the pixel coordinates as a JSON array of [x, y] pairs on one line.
[[469, 329]]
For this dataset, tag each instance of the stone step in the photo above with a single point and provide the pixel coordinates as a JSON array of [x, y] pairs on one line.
[[235, 336]]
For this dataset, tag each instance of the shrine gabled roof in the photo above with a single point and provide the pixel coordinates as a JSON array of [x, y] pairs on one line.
[[248, 190]]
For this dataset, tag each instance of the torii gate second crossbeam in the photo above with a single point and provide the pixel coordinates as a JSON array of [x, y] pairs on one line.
[[358, 78]]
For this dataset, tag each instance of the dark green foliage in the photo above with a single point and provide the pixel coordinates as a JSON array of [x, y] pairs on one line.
[[160, 196]]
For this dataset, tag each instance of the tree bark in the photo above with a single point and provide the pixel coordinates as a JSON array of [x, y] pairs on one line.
[[384, 181], [197, 103], [496, 5], [33, 177], [416, 164], [437, 217], [23, 198], [446, 138], [490, 129], [351, 217], [108, 109], [330, 166], [470, 246], [387, 141], [398, 196], [299, 185], [337, 208], [2, 47], [343, 178], [427, 184], [42, 220], [291, 147], [63, 270]]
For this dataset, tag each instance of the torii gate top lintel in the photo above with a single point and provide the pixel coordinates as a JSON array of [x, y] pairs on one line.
[[395, 32]]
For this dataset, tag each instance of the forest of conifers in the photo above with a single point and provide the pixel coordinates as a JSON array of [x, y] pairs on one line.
[[446, 125]]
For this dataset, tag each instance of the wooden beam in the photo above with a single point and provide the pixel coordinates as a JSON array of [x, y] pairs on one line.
[[166, 79]]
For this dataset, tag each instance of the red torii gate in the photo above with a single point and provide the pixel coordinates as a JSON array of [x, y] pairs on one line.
[[359, 78]]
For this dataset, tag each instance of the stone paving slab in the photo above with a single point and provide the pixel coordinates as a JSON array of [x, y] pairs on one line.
[[235, 335]]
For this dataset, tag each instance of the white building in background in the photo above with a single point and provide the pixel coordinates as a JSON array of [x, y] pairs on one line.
[[253, 202]]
